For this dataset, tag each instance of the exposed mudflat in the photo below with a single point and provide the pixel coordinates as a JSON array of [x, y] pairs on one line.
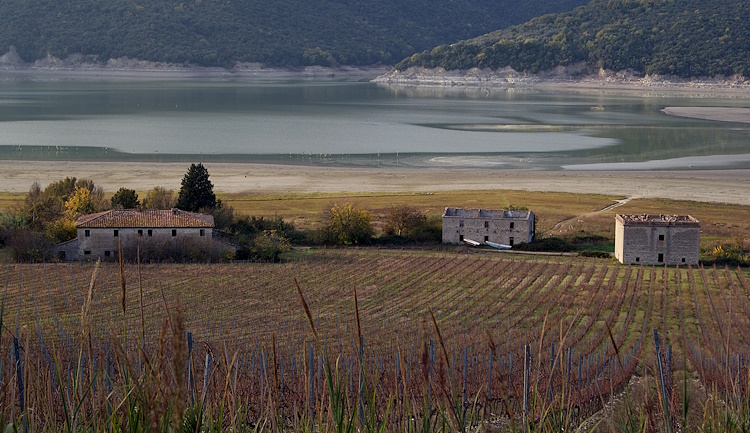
[[722, 114], [727, 186]]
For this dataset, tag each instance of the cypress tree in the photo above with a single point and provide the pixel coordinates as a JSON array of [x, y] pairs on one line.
[[196, 191]]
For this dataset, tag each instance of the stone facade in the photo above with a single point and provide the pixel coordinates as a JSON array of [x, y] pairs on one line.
[[99, 235], [506, 227], [657, 239]]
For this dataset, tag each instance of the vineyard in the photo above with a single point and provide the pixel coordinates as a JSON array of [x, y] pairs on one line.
[[433, 342]]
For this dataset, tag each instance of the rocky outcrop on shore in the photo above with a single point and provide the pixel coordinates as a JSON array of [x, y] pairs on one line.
[[575, 76]]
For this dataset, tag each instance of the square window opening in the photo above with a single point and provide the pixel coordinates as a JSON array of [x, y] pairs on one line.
[[174, 232], [486, 224], [87, 233], [106, 254], [140, 232], [150, 232], [661, 258], [512, 226], [510, 241], [203, 232], [117, 233]]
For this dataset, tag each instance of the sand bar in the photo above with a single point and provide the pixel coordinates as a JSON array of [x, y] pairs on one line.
[[727, 186], [722, 114]]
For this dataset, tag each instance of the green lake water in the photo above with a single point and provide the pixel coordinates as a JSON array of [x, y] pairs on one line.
[[346, 123]]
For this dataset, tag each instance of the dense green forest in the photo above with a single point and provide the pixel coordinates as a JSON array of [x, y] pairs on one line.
[[687, 38], [274, 32]]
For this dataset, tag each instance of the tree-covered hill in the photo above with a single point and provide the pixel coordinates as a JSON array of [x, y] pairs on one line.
[[687, 38], [274, 32]]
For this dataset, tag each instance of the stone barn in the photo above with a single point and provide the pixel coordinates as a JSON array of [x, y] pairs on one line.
[[657, 239], [99, 234], [506, 227]]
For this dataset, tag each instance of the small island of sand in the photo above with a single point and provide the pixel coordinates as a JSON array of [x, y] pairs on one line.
[[721, 114]]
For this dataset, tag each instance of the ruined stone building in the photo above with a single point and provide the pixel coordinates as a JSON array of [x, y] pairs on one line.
[[657, 239], [99, 234], [505, 227]]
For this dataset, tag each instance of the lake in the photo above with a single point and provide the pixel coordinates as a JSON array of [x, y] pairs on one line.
[[354, 123]]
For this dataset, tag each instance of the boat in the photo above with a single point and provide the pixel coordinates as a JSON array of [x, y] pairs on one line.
[[472, 243], [498, 246]]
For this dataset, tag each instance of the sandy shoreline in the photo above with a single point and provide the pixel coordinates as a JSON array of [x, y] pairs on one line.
[[726, 186]]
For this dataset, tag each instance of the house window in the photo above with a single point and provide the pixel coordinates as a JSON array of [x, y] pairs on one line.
[[87, 233], [510, 241], [203, 232], [661, 240], [637, 259], [661, 237], [106, 254], [140, 232], [486, 224], [117, 233], [683, 260], [486, 238], [150, 232], [87, 253], [460, 223], [512, 225], [661, 258], [174, 232], [461, 238]]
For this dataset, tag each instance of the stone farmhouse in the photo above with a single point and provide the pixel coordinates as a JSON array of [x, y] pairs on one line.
[[657, 239], [506, 227], [99, 234]]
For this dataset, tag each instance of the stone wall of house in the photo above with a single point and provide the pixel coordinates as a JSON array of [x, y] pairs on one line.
[[66, 251], [506, 231], [657, 244], [103, 243]]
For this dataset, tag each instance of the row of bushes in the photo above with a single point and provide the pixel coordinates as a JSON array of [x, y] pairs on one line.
[[256, 238]]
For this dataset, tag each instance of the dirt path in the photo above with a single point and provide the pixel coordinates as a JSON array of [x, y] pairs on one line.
[[560, 228]]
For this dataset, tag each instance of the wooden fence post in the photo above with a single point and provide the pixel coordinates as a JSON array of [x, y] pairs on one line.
[[526, 368]]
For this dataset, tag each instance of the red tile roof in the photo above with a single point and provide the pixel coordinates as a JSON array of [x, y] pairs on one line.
[[132, 218]]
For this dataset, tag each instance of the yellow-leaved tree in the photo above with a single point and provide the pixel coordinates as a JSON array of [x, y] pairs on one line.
[[81, 202], [347, 224]]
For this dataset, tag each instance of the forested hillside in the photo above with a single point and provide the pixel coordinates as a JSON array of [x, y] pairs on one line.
[[687, 38], [274, 32]]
